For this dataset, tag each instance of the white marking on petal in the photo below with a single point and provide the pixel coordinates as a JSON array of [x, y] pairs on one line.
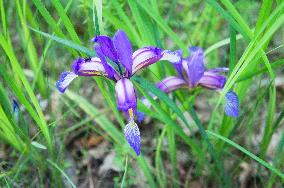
[[171, 56], [65, 79]]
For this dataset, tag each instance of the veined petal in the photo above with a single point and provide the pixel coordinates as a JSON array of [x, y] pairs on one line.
[[195, 64], [107, 47], [219, 69], [110, 71], [144, 57], [178, 64], [124, 49], [212, 80], [171, 83], [64, 80], [232, 104], [172, 56], [125, 95], [89, 67], [132, 135]]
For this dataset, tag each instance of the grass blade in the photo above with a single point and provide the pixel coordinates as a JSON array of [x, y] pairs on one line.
[[251, 155]]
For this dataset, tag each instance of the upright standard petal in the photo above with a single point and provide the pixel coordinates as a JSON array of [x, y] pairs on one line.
[[107, 47], [144, 57], [195, 64], [89, 67], [124, 49], [212, 80], [171, 83], [64, 80], [232, 104], [176, 59], [125, 95], [132, 135], [112, 74]]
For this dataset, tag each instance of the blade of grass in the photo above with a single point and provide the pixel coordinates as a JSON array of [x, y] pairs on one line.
[[274, 65], [163, 116], [62, 172], [98, 9], [47, 47], [50, 21], [173, 153], [269, 122], [125, 173], [31, 50], [143, 24], [8, 49], [66, 21], [251, 155], [233, 49], [3, 18], [111, 130], [158, 161], [223, 177], [67, 43], [132, 31], [161, 22], [162, 96]]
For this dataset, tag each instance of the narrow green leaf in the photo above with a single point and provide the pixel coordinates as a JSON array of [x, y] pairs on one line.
[[251, 155], [62, 172], [161, 22], [38, 145], [67, 43], [162, 96]]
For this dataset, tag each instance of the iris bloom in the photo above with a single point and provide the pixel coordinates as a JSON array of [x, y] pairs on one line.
[[191, 73], [124, 65]]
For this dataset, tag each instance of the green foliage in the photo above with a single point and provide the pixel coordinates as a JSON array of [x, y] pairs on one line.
[[38, 38]]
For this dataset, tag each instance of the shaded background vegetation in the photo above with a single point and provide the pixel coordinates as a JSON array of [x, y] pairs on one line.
[[76, 139]]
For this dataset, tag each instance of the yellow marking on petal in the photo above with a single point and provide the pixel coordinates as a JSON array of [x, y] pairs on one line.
[[95, 73], [131, 116], [130, 111]]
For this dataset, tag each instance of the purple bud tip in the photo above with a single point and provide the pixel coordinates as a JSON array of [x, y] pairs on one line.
[[132, 135], [140, 116], [194, 48], [76, 64], [232, 104]]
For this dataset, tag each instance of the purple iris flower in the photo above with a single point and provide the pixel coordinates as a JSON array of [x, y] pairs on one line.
[[125, 64], [191, 73]]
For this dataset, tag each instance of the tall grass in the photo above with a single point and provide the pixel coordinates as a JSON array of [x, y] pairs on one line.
[[38, 36]]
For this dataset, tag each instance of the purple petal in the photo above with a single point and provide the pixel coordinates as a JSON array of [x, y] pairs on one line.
[[178, 65], [212, 80], [174, 57], [89, 67], [144, 57], [108, 68], [107, 47], [140, 116], [16, 109], [171, 83], [124, 49], [232, 104], [220, 69], [195, 64], [132, 135], [64, 80], [125, 95]]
